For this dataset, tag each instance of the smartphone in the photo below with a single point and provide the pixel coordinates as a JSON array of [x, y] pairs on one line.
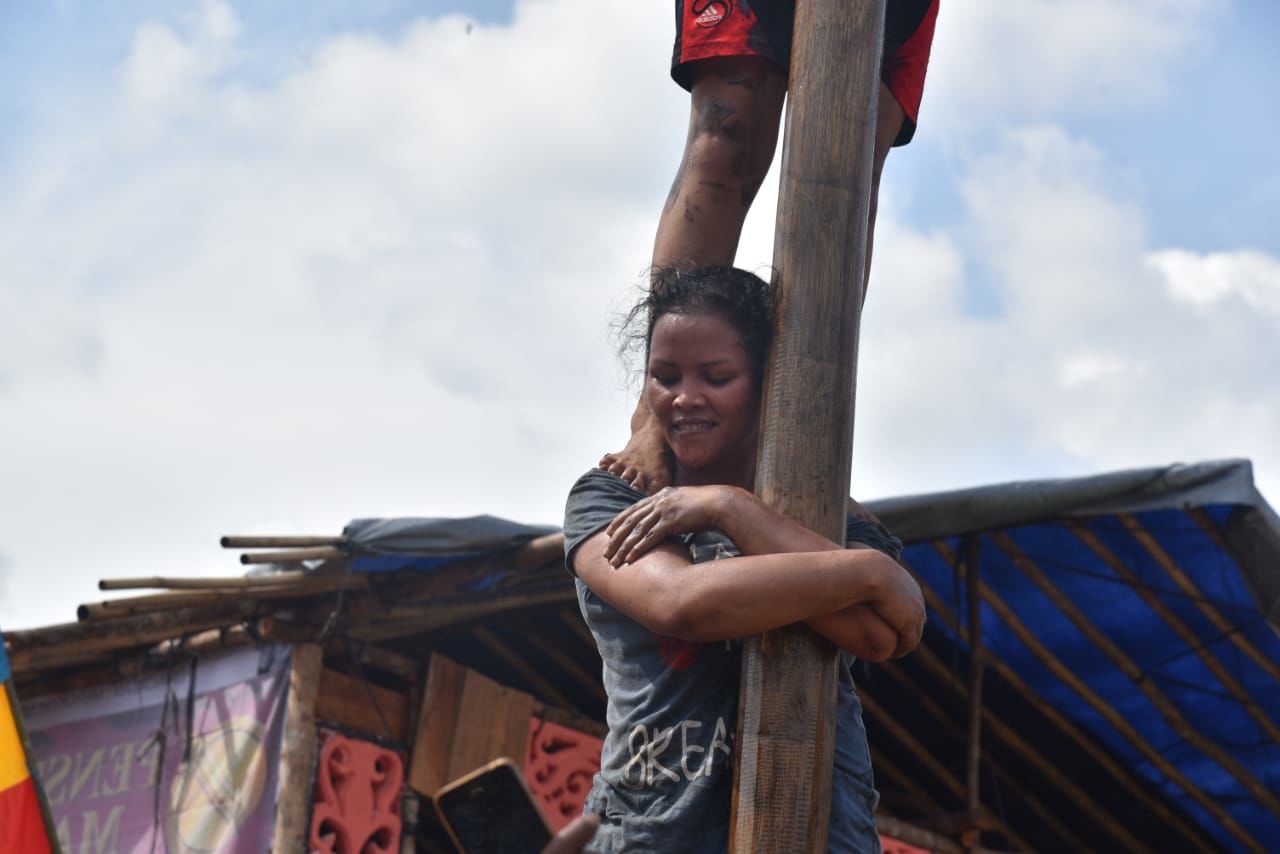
[[492, 811]]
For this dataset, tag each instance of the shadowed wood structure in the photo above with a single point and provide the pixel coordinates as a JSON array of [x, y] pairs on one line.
[[786, 723], [1106, 612]]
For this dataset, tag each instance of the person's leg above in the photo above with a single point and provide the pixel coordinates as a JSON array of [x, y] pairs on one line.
[[889, 118], [736, 108], [908, 39]]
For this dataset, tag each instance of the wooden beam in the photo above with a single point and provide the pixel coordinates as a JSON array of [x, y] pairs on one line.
[[573, 619], [134, 605], [466, 720], [1184, 583], [973, 737], [411, 620], [1181, 629], [298, 752], [1102, 707], [71, 643], [786, 720], [884, 765], [1025, 750], [535, 680], [1130, 668], [592, 683], [1193, 834], [904, 737], [354, 702]]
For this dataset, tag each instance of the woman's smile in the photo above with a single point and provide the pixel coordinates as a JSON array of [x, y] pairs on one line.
[[701, 388]]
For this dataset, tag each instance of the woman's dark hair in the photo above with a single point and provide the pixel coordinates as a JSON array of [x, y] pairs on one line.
[[743, 299]]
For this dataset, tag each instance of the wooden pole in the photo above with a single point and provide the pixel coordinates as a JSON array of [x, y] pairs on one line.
[[298, 753], [786, 725]]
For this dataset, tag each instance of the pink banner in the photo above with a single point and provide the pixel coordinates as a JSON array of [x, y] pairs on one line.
[[185, 760]]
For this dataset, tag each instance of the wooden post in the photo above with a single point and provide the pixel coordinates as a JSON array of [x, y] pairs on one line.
[[973, 757], [786, 725], [298, 753]]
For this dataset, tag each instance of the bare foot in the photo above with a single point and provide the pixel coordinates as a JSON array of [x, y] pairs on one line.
[[645, 463]]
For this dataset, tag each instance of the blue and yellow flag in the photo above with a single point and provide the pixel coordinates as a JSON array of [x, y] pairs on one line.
[[22, 824]]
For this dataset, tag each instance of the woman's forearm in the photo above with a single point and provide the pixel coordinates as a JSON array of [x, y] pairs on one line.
[[756, 528], [860, 630], [743, 596]]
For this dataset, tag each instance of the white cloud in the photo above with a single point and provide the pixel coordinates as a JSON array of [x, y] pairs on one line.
[[382, 284], [997, 63], [1097, 352], [1250, 277]]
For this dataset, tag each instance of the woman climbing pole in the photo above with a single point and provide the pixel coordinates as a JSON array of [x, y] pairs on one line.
[[733, 57], [668, 583]]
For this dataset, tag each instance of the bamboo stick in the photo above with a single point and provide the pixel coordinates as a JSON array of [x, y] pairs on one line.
[[1130, 668], [294, 555], [312, 586], [401, 621], [298, 753], [69, 643], [531, 677], [287, 631], [1021, 748], [1187, 586], [246, 582], [257, 542], [1122, 725], [590, 681], [1082, 741], [1181, 629], [883, 765], [904, 737]]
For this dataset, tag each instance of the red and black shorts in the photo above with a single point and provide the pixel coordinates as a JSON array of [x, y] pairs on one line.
[[711, 28]]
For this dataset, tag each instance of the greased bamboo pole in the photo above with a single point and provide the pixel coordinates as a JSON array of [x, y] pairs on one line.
[[786, 731]]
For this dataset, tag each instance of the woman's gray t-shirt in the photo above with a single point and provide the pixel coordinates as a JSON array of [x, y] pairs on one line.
[[665, 778]]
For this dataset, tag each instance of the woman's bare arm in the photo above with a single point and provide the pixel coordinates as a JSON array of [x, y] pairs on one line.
[[756, 529], [736, 597]]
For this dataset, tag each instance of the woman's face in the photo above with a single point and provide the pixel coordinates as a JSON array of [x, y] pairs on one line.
[[700, 387]]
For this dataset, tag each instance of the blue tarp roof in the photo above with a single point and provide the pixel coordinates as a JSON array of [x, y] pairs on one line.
[[1132, 604]]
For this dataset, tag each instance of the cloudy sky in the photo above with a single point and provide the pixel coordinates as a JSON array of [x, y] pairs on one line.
[[268, 267]]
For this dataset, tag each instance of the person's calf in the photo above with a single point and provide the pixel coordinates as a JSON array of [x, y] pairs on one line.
[[733, 130]]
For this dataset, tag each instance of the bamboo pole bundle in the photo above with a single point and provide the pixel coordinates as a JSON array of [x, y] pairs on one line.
[[253, 542], [71, 643], [245, 582], [136, 605]]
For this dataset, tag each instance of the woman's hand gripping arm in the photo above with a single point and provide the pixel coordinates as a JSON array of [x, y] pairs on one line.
[[877, 628]]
